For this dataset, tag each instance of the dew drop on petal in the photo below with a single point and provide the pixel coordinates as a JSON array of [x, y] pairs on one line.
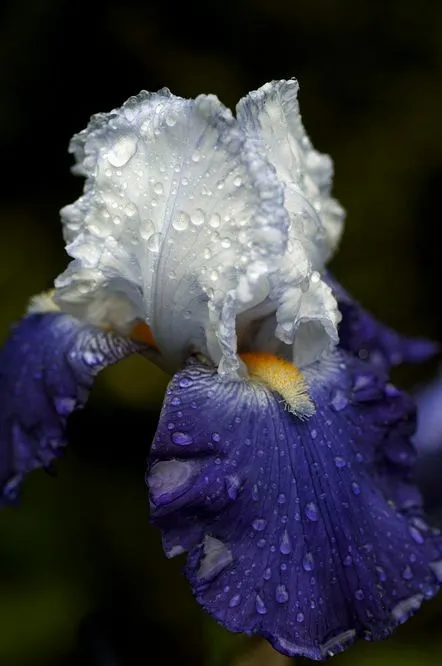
[[185, 382], [359, 595], [181, 221], [340, 462], [235, 601], [300, 617], [407, 574], [154, 242], [260, 605], [311, 511], [182, 438], [356, 488], [285, 546], [259, 524], [416, 535], [281, 594], [307, 562], [198, 217], [339, 401], [267, 574]]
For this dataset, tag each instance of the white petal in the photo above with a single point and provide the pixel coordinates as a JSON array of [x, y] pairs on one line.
[[180, 223], [307, 313], [272, 112]]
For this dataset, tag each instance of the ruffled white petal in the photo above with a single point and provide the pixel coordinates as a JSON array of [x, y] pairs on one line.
[[180, 225], [307, 313]]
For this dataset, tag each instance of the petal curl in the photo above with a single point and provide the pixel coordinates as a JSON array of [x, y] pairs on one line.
[[47, 367], [181, 220], [271, 114], [309, 533], [363, 334]]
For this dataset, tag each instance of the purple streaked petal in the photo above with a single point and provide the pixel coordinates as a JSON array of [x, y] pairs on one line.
[[47, 367], [361, 333], [309, 533]]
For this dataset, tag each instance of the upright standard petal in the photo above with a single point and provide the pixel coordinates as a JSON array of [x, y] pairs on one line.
[[47, 367], [181, 221], [306, 307], [309, 533]]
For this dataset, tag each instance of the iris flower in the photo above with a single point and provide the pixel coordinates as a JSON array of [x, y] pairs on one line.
[[282, 463]]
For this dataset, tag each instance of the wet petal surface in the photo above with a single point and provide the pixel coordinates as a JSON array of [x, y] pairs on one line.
[[309, 532], [47, 367]]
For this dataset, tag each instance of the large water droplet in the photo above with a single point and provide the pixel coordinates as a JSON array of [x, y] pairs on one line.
[[185, 382], [281, 594], [181, 221], [259, 524], [182, 438], [154, 242], [198, 217], [285, 546], [214, 221], [311, 511], [340, 462], [260, 605], [122, 150], [158, 188]]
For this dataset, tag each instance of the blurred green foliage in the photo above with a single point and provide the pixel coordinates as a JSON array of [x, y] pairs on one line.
[[82, 576]]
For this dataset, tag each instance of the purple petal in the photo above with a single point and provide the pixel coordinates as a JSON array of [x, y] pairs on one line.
[[47, 366], [361, 333], [309, 533]]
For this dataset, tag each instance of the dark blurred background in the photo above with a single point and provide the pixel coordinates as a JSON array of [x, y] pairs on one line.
[[82, 575]]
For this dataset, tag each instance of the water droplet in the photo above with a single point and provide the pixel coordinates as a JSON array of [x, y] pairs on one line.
[[171, 425], [347, 560], [340, 462], [235, 601], [281, 594], [314, 433], [237, 181], [198, 217], [267, 574], [281, 498], [182, 438], [122, 150], [181, 221], [226, 243], [261, 543], [259, 524], [196, 157], [285, 546], [214, 221], [260, 605], [175, 402], [311, 511], [255, 493], [185, 382], [214, 276], [307, 562], [407, 574], [130, 210], [154, 242], [300, 617], [232, 486], [359, 595], [339, 401], [416, 535], [158, 188], [171, 118], [216, 437], [356, 488], [381, 573]]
